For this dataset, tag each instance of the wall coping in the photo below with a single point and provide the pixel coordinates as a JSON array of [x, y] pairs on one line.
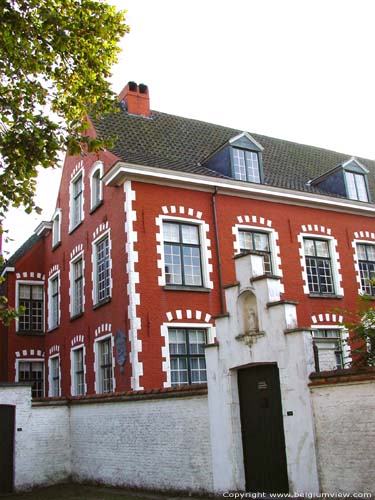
[[344, 376], [165, 393], [15, 384]]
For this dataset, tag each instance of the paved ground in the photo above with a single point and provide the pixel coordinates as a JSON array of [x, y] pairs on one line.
[[83, 492]]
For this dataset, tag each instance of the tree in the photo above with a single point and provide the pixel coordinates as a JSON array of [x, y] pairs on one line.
[[361, 324], [55, 60]]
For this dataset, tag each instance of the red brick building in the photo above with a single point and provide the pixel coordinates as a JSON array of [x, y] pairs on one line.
[[122, 287]]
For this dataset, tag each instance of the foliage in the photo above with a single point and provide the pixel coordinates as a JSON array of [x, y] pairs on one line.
[[55, 59], [361, 324]]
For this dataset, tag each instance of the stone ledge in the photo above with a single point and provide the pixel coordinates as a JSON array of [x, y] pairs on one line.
[[343, 376], [297, 330], [168, 392], [230, 285], [282, 302], [264, 277]]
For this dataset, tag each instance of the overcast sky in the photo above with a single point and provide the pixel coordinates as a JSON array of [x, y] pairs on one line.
[[294, 69]]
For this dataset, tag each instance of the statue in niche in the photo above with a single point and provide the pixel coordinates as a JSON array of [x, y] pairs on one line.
[[251, 320]]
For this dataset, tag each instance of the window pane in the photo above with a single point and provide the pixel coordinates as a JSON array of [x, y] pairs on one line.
[[261, 242], [102, 269], [370, 252], [361, 249], [322, 248], [37, 292], [361, 187], [192, 266], [309, 247], [239, 166], [245, 240], [190, 234], [171, 232], [172, 257], [252, 165], [352, 192]]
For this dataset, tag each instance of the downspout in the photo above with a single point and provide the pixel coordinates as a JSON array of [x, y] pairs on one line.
[[220, 278]]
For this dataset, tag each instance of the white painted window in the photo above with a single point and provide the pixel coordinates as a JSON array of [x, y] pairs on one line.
[[30, 296], [187, 358], [257, 240], [54, 376], [76, 277], [96, 185], [356, 185], [182, 254], [104, 365], [102, 269], [78, 371], [32, 371], [54, 301], [366, 264], [246, 165], [76, 201], [332, 348], [56, 228], [318, 266]]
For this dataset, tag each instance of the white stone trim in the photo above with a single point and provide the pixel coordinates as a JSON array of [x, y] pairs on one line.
[[72, 367], [30, 275], [205, 244], [57, 216], [326, 317], [102, 329], [323, 234], [102, 236], [34, 353], [54, 349], [78, 339], [263, 225], [74, 260], [55, 356], [97, 166], [30, 282], [368, 239], [54, 269], [77, 172], [182, 314], [104, 226], [77, 249], [97, 381], [53, 276], [166, 366], [133, 280]]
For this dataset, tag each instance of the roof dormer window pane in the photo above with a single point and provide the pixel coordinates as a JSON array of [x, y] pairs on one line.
[[356, 186], [246, 165]]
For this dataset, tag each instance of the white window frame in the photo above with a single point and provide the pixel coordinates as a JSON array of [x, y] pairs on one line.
[[272, 239], [56, 227], [73, 370], [72, 223], [343, 335], [54, 276], [31, 282], [51, 359], [76, 258], [334, 258], [166, 363], [356, 187], [31, 360], [97, 366], [106, 234], [205, 252], [97, 167], [355, 244]]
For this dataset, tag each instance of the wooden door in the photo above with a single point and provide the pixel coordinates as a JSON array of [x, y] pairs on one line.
[[7, 419]]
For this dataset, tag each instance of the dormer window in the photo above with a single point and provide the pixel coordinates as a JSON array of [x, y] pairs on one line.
[[349, 179], [356, 186], [246, 165]]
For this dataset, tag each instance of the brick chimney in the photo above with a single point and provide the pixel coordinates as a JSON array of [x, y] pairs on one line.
[[136, 99]]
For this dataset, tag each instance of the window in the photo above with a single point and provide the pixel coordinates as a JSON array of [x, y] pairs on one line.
[[356, 185], [31, 298], [256, 240], [76, 206], [54, 367], [187, 360], [96, 185], [77, 287], [53, 299], [78, 372], [32, 371], [105, 366], [330, 350], [102, 278], [246, 165], [318, 266], [182, 254], [56, 228], [366, 262]]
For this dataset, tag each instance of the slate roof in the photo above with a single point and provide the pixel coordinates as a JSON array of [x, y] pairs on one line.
[[183, 144], [22, 250]]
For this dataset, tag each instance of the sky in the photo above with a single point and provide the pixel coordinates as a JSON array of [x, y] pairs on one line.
[[301, 70]]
